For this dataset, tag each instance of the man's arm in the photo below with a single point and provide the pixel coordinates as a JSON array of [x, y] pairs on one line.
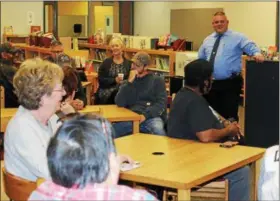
[[201, 52], [126, 95], [159, 106], [201, 121], [212, 135], [250, 48]]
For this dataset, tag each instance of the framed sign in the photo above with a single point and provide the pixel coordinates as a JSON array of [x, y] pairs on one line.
[[35, 29]]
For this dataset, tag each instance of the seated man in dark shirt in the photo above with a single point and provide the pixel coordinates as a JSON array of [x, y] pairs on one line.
[[144, 94], [191, 118]]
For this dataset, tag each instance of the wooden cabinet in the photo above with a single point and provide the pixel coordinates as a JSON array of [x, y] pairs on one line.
[[262, 104]]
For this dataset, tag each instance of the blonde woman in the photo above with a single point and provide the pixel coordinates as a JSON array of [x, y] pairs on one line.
[[38, 85], [111, 73]]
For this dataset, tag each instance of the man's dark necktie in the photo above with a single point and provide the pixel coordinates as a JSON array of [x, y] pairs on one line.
[[215, 48]]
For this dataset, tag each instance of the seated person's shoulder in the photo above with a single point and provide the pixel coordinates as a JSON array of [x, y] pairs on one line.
[[189, 97]]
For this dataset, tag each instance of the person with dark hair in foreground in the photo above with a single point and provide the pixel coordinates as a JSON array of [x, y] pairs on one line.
[[191, 118], [84, 165]]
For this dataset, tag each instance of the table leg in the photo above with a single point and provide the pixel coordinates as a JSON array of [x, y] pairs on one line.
[[184, 194], [136, 125], [88, 94], [253, 176]]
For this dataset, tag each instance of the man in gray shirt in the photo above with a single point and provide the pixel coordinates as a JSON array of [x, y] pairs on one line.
[[144, 94]]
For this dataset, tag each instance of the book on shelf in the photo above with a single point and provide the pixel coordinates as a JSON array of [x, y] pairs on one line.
[[100, 55], [162, 63]]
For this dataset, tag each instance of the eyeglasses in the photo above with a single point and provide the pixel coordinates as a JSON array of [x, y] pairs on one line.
[[60, 90]]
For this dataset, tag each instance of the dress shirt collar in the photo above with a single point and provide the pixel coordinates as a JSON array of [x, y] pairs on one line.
[[215, 34]]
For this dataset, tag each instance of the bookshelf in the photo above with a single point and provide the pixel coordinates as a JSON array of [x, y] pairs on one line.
[[163, 61], [33, 51], [15, 38]]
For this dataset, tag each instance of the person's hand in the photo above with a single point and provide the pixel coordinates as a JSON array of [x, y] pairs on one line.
[[118, 80], [66, 108], [132, 75], [77, 104], [258, 58], [233, 128], [143, 118], [125, 158]]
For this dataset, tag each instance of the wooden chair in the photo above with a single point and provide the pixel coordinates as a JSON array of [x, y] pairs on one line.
[[39, 181], [16, 188], [2, 97], [215, 190]]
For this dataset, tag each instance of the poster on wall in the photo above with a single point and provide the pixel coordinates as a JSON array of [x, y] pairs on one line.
[[30, 18], [35, 29]]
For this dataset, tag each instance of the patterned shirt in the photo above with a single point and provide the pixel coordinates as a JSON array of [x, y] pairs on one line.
[[228, 57], [51, 191]]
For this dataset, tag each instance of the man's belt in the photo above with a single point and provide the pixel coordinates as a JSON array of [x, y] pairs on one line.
[[233, 75]]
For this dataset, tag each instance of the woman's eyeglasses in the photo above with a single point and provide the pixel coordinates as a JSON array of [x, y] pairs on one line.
[[60, 90]]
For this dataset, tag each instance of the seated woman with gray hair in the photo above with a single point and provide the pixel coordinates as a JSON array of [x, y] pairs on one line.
[[84, 165], [38, 86]]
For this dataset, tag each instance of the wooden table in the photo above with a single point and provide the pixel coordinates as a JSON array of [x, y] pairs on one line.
[[88, 87], [185, 164], [111, 112], [115, 114]]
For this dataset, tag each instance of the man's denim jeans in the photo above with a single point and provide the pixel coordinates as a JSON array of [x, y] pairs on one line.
[[239, 184], [153, 126]]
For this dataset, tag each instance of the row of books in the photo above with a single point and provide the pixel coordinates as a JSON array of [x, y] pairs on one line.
[[100, 55], [162, 63]]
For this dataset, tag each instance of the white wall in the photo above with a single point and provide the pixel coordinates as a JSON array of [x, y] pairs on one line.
[[257, 20], [15, 14]]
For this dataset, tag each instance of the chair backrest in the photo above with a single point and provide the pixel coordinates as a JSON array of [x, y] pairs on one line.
[[2, 97], [16, 188], [39, 181]]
